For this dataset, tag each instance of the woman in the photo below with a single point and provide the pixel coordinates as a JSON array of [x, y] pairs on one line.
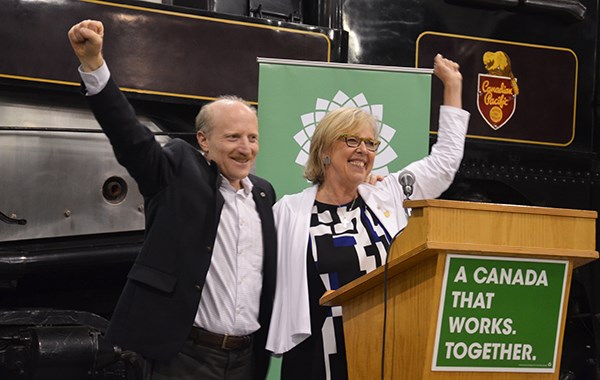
[[341, 228]]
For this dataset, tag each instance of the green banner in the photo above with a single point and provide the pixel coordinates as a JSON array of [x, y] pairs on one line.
[[294, 96], [499, 314]]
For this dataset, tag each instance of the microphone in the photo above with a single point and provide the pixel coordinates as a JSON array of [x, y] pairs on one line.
[[407, 180]]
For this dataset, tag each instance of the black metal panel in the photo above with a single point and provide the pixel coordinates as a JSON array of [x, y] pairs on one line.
[[153, 48], [542, 102]]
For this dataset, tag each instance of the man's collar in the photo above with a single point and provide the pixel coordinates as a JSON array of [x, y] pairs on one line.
[[247, 185]]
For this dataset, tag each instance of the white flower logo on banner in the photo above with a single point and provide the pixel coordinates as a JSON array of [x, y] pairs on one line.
[[385, 153]]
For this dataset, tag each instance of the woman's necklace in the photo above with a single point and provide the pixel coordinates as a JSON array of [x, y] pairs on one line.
[[343, 217], [345, 221]]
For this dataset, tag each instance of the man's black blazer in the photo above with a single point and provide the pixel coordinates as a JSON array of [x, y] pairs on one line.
[[157, 307]]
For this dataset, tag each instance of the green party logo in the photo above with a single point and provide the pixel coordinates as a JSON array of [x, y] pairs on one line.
[[385, 153]]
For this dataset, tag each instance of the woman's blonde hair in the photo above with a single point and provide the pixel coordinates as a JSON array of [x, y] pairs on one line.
[[333, 125]]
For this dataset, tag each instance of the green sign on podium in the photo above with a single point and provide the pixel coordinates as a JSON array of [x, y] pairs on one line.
[[499, 314]]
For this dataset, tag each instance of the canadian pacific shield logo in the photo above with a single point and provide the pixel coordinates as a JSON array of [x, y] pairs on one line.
[[385, 153], [496, 99], [497, 90]]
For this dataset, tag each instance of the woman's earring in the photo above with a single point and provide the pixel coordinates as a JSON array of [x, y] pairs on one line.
[[326, 160]]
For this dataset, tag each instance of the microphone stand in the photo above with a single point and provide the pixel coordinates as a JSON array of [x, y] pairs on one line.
[[407, 194]]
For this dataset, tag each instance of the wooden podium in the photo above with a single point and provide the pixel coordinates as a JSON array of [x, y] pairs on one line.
[[415, 276]]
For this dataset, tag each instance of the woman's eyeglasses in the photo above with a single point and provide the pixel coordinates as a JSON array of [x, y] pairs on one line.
[[354, 141]]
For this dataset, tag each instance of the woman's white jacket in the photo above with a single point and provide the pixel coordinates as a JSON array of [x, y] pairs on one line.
[[290, 322]]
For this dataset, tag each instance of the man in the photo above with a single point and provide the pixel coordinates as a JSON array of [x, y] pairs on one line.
[[198, 298]]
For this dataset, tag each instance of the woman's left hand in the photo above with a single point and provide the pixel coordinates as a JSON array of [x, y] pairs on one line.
[[447, 70], [449, 73]]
